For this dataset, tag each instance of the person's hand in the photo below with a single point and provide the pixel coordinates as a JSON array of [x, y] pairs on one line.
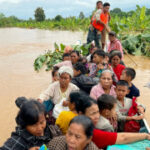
[[39, 100], [141, 110], [34, 148], [147, 136], [65, 103], [100, 66], [114, 116], [138, 117]]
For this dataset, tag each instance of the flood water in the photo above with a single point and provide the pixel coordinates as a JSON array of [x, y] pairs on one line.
[[19, 48]]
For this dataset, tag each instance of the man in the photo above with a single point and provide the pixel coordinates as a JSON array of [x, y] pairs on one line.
[[92, 34]]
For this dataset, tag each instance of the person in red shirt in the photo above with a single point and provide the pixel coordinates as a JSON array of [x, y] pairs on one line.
[[115, 58], [101, 138]]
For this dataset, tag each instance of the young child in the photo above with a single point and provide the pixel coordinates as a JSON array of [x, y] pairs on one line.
[[115, 58], [124, 104], [107, 106], [128, 74], [75, 105], [32, 130], [55, 76]]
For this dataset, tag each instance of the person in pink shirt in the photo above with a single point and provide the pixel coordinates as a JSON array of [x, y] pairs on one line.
[[105, 85], [114, 44]]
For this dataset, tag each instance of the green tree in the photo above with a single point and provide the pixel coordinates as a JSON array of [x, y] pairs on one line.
[[39, 14], [81, 15], [58, 18], [2, 15]]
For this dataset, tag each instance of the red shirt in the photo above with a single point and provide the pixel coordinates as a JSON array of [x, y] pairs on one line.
[[118, 70], [102, 139]]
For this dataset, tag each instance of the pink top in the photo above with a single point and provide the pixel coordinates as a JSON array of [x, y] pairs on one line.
[[64, 63], [115, 45], [97, 91]]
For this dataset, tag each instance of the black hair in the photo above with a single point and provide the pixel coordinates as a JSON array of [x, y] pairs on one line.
[[112, 33], [78, 98], [29, 113], [106, 101], [99, 53], [86, 123], [106, 4], [79, 66], [99, 2], [20, 101], [122, 83], [115, 53], [65, 55], [77, 52], [130, 72], [55, 69]]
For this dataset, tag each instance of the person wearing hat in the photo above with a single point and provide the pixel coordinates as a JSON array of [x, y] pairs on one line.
[[114, 44]]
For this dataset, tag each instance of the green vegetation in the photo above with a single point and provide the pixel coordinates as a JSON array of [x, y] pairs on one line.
[[133, 27]]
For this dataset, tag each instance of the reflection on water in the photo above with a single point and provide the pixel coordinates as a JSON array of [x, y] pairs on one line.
[[19, 48]]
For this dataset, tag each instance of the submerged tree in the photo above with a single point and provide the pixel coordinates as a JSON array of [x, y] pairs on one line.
[[39, 14]]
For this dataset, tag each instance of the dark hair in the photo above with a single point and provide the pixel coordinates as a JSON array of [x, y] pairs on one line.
[[99, 2], [77, 52], [20, 101], [29, 113], [65, 55], [122, 83], [86, 123], [115, 53], [99, 53], [106, 101], [106, 4], [80, 67], [55, 69], [112, 33], [78, 98], [130, 72]]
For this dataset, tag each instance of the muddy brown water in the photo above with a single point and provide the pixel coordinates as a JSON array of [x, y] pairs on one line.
[[19, 48]]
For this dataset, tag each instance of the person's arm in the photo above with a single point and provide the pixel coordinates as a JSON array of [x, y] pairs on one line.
[[93, 93], [124, 138]]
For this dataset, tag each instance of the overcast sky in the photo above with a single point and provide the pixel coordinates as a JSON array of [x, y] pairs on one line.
[[24, 9]]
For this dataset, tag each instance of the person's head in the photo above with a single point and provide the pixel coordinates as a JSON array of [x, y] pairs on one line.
[[99, 4], [90, 109], [68, 49], [128, 74], [79, 133], [78, 69], [55, 76], [106, 60], [98, 56], [75, 56], [106, 7], [112, 36], [115, 57], [76, 100], [32, 117], [107, 105], [106, 79], [66, 56], [122, 89], [65, 75]]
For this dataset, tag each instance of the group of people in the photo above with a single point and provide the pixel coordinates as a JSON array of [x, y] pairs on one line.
[[90, 104]]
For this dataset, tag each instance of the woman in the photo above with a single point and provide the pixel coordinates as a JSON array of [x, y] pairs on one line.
[[78, 136], [101, 138], [75, 57], [105, 86], [60, 89], [32, 130]]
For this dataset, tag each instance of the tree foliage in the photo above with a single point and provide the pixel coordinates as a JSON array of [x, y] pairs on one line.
[[81, 15], [39, 14]]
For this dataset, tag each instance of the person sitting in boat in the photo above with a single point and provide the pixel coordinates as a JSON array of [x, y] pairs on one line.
[[114, 44], [105, 85], [78, 136], [129, 74], [55, 76], [115, 58], [32, 130], [82, 81], [124, 104]]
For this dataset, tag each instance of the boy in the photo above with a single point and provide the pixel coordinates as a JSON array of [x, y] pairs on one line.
[[124, 104], [128, 74], [107, 107]]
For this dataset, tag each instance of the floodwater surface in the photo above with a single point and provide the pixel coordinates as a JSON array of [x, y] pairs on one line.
[[18, 50]]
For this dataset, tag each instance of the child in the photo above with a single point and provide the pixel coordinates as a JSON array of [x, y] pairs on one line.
[[32, 130], [115, 59], [75, 105], [107, 107], [124, 104], [128, 74], [55, 76]]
